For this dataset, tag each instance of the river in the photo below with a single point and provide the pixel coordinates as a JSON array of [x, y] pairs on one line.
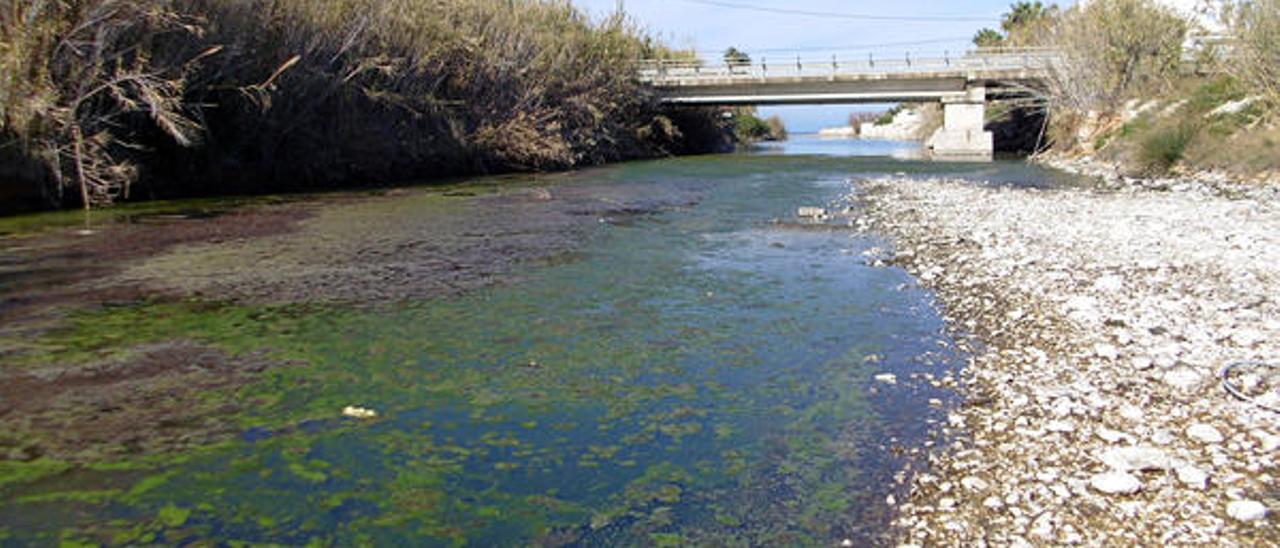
[[652, 353]]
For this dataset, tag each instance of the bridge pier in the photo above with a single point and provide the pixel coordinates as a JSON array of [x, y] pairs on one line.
[[962, 135]]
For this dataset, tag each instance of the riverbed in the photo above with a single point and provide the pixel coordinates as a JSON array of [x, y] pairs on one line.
[[648, 353]]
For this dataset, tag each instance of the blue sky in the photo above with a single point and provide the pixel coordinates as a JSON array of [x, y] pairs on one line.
[[712, 28]]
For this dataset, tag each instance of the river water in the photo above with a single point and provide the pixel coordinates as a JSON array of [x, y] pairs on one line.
[[698, 370]]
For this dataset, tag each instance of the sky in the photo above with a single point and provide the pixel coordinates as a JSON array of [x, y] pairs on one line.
[[711, 26]]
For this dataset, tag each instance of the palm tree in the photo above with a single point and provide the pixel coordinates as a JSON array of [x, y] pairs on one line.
[[1024, 14], [1025, 22]]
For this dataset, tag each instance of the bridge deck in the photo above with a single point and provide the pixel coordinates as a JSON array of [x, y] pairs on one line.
[[844, 81]]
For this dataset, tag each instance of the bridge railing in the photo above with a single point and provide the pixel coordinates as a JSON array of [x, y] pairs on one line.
[[684, 72]]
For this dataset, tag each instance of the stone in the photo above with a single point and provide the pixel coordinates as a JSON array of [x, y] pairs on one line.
[[811, 212], [1247, 337], [1139, 458], [974, 483], [1192, 477], [1204, 433], [1060, 426], [1109, 284], [1246, 510], [887, 378], [1183, 378], [1111, 436], [1115, 483], [357, 412], [1106, 351]]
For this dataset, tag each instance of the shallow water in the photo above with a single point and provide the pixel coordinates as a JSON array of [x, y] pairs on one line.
[[700, 374]]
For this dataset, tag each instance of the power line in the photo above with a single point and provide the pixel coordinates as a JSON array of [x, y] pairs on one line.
[[841, 15], [858, 47]]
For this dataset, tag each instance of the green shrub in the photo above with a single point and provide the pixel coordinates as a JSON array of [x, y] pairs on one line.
[[1163, 147]]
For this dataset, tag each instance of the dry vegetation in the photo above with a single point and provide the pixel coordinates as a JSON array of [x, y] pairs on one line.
[[101, 99], [1123, 89]]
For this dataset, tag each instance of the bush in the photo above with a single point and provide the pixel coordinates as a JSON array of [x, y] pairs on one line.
[[1165, 146], [1113, 50], [1256, 60]]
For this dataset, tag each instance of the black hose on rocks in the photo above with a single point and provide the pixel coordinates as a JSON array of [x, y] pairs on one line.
[[1237, 392]]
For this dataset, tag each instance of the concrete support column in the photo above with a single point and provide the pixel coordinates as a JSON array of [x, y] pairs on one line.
[[962, 136]]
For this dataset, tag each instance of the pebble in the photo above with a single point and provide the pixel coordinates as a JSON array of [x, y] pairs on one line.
[[1106, 315], [1183, 378], [1137, 458], [1192, 477], [357, 412], [1060, 426], [1246, 510], [887, 378], [1115, 483], [1204, 433], [973, 483]]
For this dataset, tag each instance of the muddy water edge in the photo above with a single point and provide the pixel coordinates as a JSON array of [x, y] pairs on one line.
[[652, 353]]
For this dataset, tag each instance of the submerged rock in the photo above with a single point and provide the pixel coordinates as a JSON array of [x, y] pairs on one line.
[[357, 412]]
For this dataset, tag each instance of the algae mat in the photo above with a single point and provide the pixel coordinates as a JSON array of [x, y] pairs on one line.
[[630, 355]]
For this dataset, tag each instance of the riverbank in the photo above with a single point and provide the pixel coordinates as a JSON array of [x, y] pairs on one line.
[[174, 99], [1100, 319]]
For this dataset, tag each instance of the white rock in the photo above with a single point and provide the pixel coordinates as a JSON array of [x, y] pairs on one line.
[[1106, 351], [1246, 510], [357, 412], [811, 212], [1183, 378], [992, 502], [1192, 477], [1109, 284], [974, 483], [1111, 436], [1247, 337], [1138, 458], [887, 378], [1060, 426], [1267, 441], [1204, 433], [1141, 363], [1115, 483]]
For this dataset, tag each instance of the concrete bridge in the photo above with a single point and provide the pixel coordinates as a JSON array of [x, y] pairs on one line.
[[962, 84]]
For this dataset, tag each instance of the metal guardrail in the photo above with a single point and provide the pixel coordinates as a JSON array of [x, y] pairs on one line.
[[674, 73]]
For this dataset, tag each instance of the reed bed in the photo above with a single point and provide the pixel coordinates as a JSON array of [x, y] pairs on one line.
[[109, 99]]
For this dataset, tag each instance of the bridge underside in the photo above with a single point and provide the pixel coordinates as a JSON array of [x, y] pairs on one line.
[[809, 92], [964, 101]]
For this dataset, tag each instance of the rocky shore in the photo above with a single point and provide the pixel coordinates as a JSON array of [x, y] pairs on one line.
[[1100, 321]]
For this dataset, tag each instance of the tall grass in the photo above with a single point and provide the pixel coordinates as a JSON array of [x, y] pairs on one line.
[[241, 95]]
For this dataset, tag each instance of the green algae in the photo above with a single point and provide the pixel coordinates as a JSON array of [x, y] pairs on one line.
[[658, 388]]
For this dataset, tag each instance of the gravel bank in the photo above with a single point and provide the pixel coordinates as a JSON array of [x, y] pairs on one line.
[[1100, 321]]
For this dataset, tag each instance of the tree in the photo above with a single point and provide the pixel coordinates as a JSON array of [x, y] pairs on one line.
[[735, 57], [1255, 25], [988, 38], [1114, 50], [1025, 22]]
